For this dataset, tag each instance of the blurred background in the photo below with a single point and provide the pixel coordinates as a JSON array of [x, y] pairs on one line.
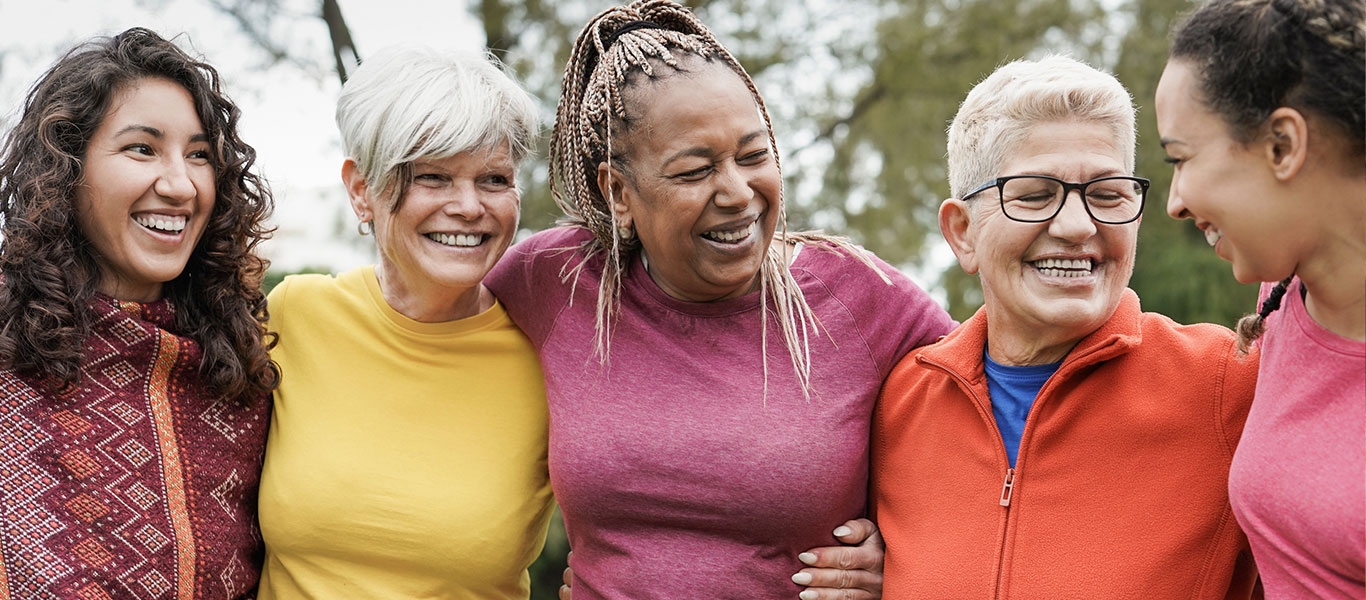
[[860, 91]]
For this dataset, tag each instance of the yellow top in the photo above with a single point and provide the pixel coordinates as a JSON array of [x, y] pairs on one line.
[[405, 459]]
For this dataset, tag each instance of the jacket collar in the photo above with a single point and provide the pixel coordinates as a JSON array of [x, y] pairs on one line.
[[961, 350]]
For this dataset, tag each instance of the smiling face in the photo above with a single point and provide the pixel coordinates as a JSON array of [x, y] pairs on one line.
[[1222, 184], [457, 218], [702, 186], [148, 188], [1046, 285]]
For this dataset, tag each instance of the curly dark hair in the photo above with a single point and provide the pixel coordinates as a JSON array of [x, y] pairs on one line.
[[49, 269]]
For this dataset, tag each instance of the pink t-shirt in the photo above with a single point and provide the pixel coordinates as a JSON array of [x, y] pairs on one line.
[[677, 476], [1298, 481]]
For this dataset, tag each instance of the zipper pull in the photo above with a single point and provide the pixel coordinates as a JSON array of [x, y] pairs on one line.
[[1008, 487]]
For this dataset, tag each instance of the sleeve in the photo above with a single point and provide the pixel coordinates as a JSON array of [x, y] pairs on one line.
[[528, 280], [277, 305], [897, 318], [1236, 389]]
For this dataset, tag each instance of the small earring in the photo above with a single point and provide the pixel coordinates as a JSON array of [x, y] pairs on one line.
[[625, 233], [365, 228]]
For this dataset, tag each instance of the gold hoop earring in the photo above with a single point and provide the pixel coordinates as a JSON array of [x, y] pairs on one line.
[[365, 228]]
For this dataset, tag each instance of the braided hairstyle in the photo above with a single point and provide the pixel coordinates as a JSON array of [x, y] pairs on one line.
[[1255, 56], [49, 269], [617, 50]]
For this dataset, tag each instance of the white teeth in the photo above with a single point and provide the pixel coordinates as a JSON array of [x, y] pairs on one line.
[[463, 240], [730, 237], [1064, 267], [1213, 235], [161, 222]]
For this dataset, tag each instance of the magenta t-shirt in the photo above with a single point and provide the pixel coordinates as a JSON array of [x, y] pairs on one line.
[[1298, 481], [677, 476]]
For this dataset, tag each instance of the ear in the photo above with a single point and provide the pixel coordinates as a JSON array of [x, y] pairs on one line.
[[955, 223], [1288, 146], [357, 189], [612, 183]]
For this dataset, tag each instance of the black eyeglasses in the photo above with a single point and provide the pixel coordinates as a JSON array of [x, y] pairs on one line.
[[1038, 198]]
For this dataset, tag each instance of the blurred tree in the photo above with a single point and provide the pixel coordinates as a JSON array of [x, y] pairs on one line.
[[888, 175], [1176, 273]]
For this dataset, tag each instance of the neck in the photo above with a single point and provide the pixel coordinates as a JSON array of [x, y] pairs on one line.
[[1334, 272], [1337, 300], [427, 303], [1008, 348]]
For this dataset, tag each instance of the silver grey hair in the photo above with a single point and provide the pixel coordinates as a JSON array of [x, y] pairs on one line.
[[410, 102], [999, 112]]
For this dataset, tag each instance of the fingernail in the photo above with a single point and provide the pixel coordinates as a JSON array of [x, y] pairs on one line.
[[807, 557], [808, 595], [802, 579], [842, 531]]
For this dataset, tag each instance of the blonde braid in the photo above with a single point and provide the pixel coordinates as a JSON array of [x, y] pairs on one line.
[[613, 46]]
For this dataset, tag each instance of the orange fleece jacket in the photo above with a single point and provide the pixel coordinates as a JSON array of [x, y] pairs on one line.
[[1120, 489]]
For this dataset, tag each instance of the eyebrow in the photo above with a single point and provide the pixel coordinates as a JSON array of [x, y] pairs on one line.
[[1164, 141], [702, 152], [157, 133]]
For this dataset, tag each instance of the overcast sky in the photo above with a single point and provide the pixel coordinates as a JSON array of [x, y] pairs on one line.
[[287, 110]]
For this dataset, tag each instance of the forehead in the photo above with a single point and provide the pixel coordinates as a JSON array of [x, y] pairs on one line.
[[1069, 150], [700, 92], [1178, 103], [150, 98], [490, 156]]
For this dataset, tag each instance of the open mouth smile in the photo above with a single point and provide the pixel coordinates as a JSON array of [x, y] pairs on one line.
[[162, 223], [731, 236], [1064, 267], [458, 240]]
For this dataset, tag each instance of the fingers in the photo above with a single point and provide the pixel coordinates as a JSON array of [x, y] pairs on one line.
[[867, 555], [850, 572], [838, 584], [568, 578], [856, 531]]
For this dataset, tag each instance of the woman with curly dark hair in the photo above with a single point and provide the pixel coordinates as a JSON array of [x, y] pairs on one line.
[[134, 376]]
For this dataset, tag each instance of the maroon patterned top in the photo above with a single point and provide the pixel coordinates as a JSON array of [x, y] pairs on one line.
[[138, 484]]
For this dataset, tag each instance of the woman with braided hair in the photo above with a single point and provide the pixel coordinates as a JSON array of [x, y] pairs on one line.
[[1261, 112], [710, 375], [134, 377]]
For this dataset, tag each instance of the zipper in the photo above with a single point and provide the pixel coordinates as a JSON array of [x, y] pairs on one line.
[[1008, 488]]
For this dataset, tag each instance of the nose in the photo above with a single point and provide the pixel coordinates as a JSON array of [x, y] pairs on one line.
[[1073, 222], [1176, 208], [175, 183], [465, 202], [733, 188]]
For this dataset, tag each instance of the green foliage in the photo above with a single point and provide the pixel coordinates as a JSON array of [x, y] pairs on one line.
[[1176, 273], [927, 56], [548, 570], [273, 277]]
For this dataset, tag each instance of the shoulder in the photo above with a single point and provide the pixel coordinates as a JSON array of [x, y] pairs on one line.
[[1163, 335], [566, 237], [851, 271], [313, 294], [1203, 352], [549, 250], [871, 288], [305, 285]]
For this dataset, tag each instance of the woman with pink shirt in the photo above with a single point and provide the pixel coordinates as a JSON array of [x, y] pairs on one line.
[[710, 376], [1261, 112]]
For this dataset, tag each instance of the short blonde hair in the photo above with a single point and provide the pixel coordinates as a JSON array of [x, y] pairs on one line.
[[411, 102], [999, 112]]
